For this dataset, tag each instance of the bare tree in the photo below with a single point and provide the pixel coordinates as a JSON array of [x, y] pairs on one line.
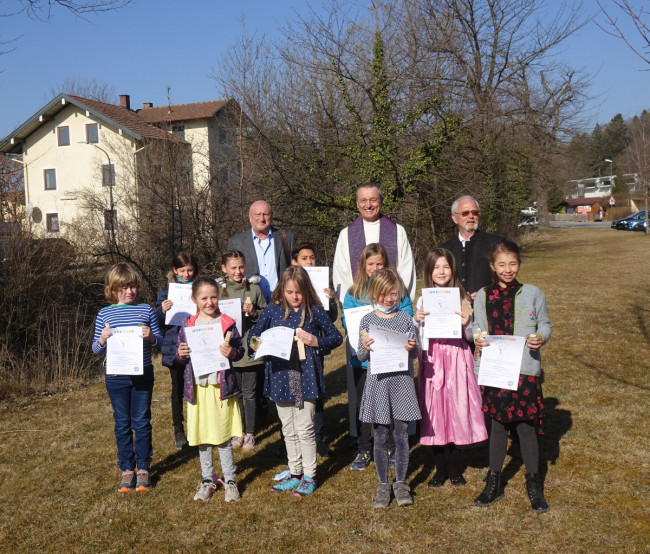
[[639, 39], [636, 157], [86, 88]]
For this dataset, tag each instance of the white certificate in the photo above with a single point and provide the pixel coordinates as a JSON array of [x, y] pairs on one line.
[[204, 342], [124, 354], [232, 307], [442, 321], [501, 361], [182, 306], [387, 353], [277, 342], [353, 318], [320, 280]]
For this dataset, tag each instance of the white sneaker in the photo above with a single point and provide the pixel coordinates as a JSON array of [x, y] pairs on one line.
[[232, 492], [205, 490]]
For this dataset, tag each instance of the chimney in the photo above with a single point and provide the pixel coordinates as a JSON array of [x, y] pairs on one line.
[[147, 105], [125, 101]]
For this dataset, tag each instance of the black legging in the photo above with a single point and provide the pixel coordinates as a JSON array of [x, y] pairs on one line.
[[527, 442], [401, 437], [447, 460]]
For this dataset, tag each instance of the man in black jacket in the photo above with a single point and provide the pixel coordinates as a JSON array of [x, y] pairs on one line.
[[471, 248]]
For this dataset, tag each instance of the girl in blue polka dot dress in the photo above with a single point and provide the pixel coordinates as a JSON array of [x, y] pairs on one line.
[[294, 385]]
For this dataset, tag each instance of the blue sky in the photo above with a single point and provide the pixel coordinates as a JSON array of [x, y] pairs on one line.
[[150, 45]]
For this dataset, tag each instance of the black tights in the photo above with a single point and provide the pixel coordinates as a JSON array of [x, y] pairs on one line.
[[447, 460], [527, 434], [401, 437]]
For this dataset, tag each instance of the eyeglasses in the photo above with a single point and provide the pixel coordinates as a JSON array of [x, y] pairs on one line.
[[467, 212]]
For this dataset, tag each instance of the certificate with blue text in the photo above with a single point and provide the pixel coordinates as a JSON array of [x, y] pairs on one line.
[[442, 304], [501, 361], [204, 342], [388, 353], [124, 351]]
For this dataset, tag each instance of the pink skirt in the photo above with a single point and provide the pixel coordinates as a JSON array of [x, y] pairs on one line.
[[449, 395]]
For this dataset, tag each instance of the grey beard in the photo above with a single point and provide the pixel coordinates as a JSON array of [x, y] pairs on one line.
[[472, 230]]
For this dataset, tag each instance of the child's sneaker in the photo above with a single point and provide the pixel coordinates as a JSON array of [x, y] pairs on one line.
[[127, 484], [232, 492], [402, 493], [144, 481], [237, 442], [306, 487], [362, 461], [249, 443], [391, 458], [287, 484], [205, 490]]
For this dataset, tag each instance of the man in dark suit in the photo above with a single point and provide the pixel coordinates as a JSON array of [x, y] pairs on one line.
[[267, 249], [471, 247]]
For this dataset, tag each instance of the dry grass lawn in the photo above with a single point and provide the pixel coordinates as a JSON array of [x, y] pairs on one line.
[[58, 474]]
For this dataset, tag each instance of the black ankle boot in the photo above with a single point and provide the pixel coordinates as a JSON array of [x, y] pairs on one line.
[[492, 491], [535, 493]]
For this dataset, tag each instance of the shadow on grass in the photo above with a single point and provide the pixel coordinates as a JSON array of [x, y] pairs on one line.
[[171, 462], [641, 322], [556, 424], [617, 378]]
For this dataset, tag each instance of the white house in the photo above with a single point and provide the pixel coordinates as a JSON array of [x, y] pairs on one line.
[[76, 144]]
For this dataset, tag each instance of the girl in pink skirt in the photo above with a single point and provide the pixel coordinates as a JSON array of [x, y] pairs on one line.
[[450, 399]]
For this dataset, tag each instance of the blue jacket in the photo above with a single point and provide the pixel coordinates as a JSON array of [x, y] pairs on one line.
[[276, 377], [169, 332], [351, 302]]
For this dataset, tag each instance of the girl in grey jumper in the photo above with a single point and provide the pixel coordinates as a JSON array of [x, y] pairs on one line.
[[509, 308]]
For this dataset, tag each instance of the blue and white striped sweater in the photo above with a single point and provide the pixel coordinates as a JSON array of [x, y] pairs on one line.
[[123, 315]]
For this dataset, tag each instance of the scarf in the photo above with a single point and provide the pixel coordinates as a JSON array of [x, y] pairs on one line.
[[357, 241]]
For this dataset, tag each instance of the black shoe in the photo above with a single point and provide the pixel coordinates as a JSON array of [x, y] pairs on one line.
[[492, 491], [535, 493], [457, 480], [438, 480]]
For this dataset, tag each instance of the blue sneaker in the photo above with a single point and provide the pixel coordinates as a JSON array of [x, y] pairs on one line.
[[307, 486], [287, 484], [362, 461]]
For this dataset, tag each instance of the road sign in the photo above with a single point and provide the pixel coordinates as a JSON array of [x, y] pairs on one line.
[[612, 200]]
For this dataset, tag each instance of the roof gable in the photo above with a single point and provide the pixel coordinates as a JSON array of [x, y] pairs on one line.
[[126, 120]]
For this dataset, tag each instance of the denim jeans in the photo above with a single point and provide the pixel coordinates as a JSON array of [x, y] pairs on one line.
[[131, 401]]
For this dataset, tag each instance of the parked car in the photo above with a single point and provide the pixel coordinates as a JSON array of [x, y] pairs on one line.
[[640, 226], [632, 223], [528, 223], [529, 210], [622, 222]]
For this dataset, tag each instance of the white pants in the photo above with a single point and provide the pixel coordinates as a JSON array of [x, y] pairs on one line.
[[299, 438]]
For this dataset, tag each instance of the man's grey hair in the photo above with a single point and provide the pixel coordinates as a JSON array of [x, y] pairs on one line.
[[454, 206], [371, 185]]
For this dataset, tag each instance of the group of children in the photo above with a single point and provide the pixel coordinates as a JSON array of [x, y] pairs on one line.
[[449, 403]]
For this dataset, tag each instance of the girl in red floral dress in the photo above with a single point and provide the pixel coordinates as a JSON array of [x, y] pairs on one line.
[[509, 308]]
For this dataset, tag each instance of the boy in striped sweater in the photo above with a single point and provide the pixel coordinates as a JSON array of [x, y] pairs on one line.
[[129, 388]]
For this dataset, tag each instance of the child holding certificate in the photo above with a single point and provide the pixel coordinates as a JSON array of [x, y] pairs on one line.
[[304, 255], [373, 257], [294, 384], [184, 268], [509, 308], [213, 416], [389, 396], [130, 386], [248, 370], [450, 399]]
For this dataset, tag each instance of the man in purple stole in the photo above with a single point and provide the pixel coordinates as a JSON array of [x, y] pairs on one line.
[[369, 227]]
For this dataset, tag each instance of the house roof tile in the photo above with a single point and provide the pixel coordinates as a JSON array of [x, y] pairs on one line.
[[182, 112]]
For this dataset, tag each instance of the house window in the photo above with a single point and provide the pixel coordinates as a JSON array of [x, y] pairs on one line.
[[223, 136], [110, 220], [52, 223], [49, 178], [63, 136], [179, 131], [92, 133], [108, 175]]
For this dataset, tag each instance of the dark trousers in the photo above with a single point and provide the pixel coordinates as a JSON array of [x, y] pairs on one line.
[[176, 372], [248, 377]]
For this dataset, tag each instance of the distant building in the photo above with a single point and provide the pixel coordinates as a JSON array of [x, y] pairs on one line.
[[74, 145]]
